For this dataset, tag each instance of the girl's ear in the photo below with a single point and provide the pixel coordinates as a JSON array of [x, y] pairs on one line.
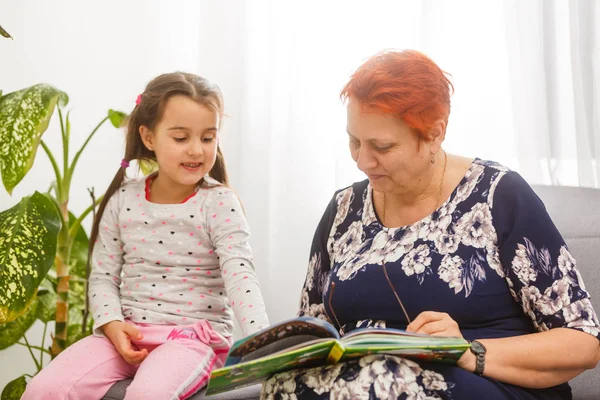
[[147, 137]]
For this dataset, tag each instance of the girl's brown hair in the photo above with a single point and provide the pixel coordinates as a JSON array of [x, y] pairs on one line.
[[148, 112]]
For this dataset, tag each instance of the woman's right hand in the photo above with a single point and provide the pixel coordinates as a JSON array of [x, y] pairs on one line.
[[120, 335]]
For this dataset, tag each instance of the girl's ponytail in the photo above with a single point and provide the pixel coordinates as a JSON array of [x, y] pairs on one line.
[[219, 170], [112, 188]]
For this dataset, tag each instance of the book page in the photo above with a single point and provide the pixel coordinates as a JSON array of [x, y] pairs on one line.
[[401, 343], [287, 344], [303, 328], [245, 373]]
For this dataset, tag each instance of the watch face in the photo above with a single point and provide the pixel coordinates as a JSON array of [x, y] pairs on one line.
[[477, 347]]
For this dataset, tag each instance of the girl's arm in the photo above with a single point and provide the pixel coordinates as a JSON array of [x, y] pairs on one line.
[[230, 236], [107, 262]]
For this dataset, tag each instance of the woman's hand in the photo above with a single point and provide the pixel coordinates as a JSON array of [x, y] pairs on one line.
[[120, 335], [435, 324], [441, 324]]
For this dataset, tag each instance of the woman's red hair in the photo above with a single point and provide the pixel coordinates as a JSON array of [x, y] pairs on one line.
[[407, 84]]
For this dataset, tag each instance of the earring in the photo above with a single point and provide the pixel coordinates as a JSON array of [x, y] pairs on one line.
[[433, 158]]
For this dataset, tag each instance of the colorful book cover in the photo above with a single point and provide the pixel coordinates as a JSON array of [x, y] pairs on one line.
[[307, 342]]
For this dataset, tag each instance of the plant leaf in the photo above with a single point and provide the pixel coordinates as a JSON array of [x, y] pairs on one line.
[[4, 33], [147, 166], [63, 99], [46, 311], [117, 118], [76, 307], [74, 333], [79, 251], [28, 239], [76, 301], [10, 333], [14, 389], [24, 117]]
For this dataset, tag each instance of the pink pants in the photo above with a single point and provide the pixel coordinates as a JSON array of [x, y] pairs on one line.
[[179, 364]]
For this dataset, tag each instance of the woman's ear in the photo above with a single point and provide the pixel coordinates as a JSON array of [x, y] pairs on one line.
[[147, 137], [437, 134]]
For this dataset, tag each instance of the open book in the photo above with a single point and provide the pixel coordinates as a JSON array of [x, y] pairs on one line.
[[307, 342]]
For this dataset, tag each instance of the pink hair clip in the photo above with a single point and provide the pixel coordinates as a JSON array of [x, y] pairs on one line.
[[138, 100], [124, 163]]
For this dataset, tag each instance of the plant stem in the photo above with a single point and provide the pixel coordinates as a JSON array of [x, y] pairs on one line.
[[34, 347], [55, 167], [42, 350], [88, 268], [75, 226], [61, 263], [78, 154], [37, 365], [63, 254], [62, 219], [65, 143]]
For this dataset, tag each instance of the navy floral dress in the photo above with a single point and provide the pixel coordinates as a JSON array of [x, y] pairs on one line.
[[490, 257]]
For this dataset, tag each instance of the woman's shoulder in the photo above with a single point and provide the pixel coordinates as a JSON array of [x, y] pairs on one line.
[[492, 165], [507, 188], [359, 187]]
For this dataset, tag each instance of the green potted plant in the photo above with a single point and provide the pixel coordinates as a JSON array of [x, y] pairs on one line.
[[43, 248], [4, 33]]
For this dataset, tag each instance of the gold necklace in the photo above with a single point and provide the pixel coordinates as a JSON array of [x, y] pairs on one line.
[[439, 196]]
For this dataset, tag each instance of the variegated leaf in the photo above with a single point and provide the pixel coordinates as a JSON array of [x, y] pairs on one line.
[[79, 251], [28, 239], [11, 332], [4, 33], [47, 305], [24, 117], [14, 389]]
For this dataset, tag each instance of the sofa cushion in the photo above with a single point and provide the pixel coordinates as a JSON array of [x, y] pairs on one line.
[[576, 214], [117, 392]]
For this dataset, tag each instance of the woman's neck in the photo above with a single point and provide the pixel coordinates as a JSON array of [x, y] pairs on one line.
[[426, 187]]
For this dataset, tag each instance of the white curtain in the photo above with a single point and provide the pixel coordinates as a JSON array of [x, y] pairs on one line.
[[526, 95], [554, 69], [525, 72]]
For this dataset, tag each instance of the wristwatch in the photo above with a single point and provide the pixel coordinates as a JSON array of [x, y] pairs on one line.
[[479, 350]]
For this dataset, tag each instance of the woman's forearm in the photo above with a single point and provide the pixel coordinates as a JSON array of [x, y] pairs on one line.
[[539, 360]]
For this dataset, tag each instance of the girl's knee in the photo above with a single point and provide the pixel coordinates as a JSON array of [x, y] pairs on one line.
[[155, 389], [42, 386]]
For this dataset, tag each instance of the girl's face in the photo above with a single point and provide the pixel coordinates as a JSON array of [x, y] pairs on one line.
[[184, 142]]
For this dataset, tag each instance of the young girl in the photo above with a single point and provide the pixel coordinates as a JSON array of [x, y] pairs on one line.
[[171, 261]]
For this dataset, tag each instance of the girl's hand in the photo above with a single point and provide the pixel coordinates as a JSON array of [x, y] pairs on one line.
[[441, 324], [120, 335]]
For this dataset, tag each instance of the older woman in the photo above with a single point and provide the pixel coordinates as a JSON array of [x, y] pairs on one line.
[[439, 244]]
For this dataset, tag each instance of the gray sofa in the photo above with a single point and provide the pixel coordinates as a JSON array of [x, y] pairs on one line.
[[576, 213]]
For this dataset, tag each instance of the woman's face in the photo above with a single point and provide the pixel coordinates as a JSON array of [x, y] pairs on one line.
[[389, 152]]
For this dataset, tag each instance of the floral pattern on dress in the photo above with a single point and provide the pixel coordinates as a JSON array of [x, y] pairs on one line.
[[489, 251], [374, 376]]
